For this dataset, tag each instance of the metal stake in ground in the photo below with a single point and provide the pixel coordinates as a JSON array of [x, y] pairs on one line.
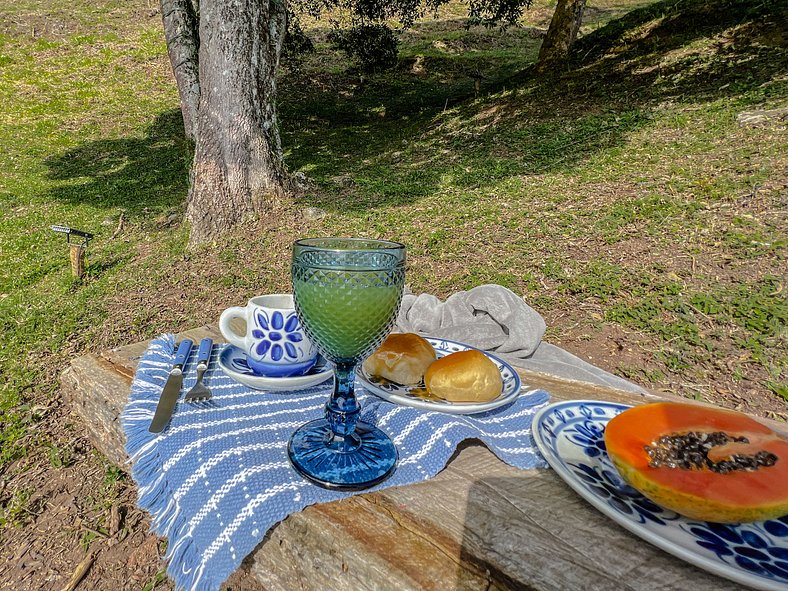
[[77, 250]]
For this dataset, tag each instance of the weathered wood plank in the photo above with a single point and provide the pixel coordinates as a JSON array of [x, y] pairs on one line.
[[97, 387], [97, 391], [480, 524]]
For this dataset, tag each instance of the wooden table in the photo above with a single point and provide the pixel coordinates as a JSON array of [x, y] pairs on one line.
[[479, 525]]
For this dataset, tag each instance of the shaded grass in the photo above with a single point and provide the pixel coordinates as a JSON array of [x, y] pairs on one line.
[[623, 183], [635, 141], [81, 89]]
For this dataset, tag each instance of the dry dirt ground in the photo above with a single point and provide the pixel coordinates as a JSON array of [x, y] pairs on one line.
[[84, 515], [81, 515]]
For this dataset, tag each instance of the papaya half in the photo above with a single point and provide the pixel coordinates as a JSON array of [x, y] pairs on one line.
[[704, 463]]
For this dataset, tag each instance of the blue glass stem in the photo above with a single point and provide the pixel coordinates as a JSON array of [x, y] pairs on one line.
[[343, 410]]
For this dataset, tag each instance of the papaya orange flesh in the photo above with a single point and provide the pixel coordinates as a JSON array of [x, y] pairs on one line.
[[703, 494]]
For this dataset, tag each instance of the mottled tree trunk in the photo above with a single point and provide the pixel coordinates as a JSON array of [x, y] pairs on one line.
[[224, 55], [561, 33], [238, 166], [181, 32]]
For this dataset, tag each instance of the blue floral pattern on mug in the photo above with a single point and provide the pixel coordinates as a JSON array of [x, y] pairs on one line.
[[279, 336]]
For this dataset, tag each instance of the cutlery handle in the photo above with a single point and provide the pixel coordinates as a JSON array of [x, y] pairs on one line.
[[183, 353], [204, 354]]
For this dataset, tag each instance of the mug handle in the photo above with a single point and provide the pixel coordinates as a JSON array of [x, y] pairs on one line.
[[228, 333]]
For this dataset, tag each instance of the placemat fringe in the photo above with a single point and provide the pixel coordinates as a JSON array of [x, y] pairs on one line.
[[216, 480]]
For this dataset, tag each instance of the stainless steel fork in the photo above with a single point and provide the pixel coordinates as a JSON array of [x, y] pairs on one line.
[[199, 391]]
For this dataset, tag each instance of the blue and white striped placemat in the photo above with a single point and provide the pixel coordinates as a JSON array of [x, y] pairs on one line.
[[218, 477]]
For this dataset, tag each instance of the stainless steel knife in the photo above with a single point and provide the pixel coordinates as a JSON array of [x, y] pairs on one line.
[[172, 389]]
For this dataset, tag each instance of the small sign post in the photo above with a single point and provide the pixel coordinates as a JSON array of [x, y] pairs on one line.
[[77, 250]]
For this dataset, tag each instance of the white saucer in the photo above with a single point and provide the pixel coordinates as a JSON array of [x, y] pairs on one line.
[[232, 361]]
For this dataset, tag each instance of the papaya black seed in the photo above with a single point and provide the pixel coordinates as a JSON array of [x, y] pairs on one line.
[[690, 451]]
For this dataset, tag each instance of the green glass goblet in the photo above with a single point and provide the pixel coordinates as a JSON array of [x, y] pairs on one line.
[[347, 292]]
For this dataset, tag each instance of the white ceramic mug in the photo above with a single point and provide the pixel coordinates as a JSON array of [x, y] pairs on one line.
[[275, 344]]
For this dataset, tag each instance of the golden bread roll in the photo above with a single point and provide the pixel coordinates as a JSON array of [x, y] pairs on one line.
[[465, 376], [402, 358]]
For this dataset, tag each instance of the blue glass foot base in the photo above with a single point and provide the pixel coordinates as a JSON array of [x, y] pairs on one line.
[[365, 459]]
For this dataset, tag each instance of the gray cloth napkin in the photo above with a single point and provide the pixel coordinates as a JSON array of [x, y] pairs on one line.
[[495, 319]]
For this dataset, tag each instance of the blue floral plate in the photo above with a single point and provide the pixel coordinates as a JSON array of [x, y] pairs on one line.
[[233, 362], [570, 436], [417, 397]]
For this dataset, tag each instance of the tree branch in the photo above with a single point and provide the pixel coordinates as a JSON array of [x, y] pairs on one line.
[[181, 31]]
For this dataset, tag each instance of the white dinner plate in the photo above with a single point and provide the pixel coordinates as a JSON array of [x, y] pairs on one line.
[[233, 362], [570, 435], [410, 395]]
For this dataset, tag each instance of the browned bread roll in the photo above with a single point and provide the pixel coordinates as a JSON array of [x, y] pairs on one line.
[[402, 358], [465, 376]]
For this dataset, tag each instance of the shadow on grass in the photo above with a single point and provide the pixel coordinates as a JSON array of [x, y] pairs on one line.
[[395, 138], [688, 50], [401, 137], [145, 176]]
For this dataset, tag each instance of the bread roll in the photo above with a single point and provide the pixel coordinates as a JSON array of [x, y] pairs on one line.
[[465, 376], [402, 358]]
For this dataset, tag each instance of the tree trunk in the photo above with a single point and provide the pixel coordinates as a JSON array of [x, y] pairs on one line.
[[180, 30], [561, 33], [238, 165], [224, 55]]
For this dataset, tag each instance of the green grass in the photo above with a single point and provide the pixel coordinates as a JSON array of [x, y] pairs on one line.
[[621, 184], [89, 135], [639, 144], [15, 511]]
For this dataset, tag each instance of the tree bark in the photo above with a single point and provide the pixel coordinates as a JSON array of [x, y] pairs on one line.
[[238, 166], [181, 33], [561, 33]]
